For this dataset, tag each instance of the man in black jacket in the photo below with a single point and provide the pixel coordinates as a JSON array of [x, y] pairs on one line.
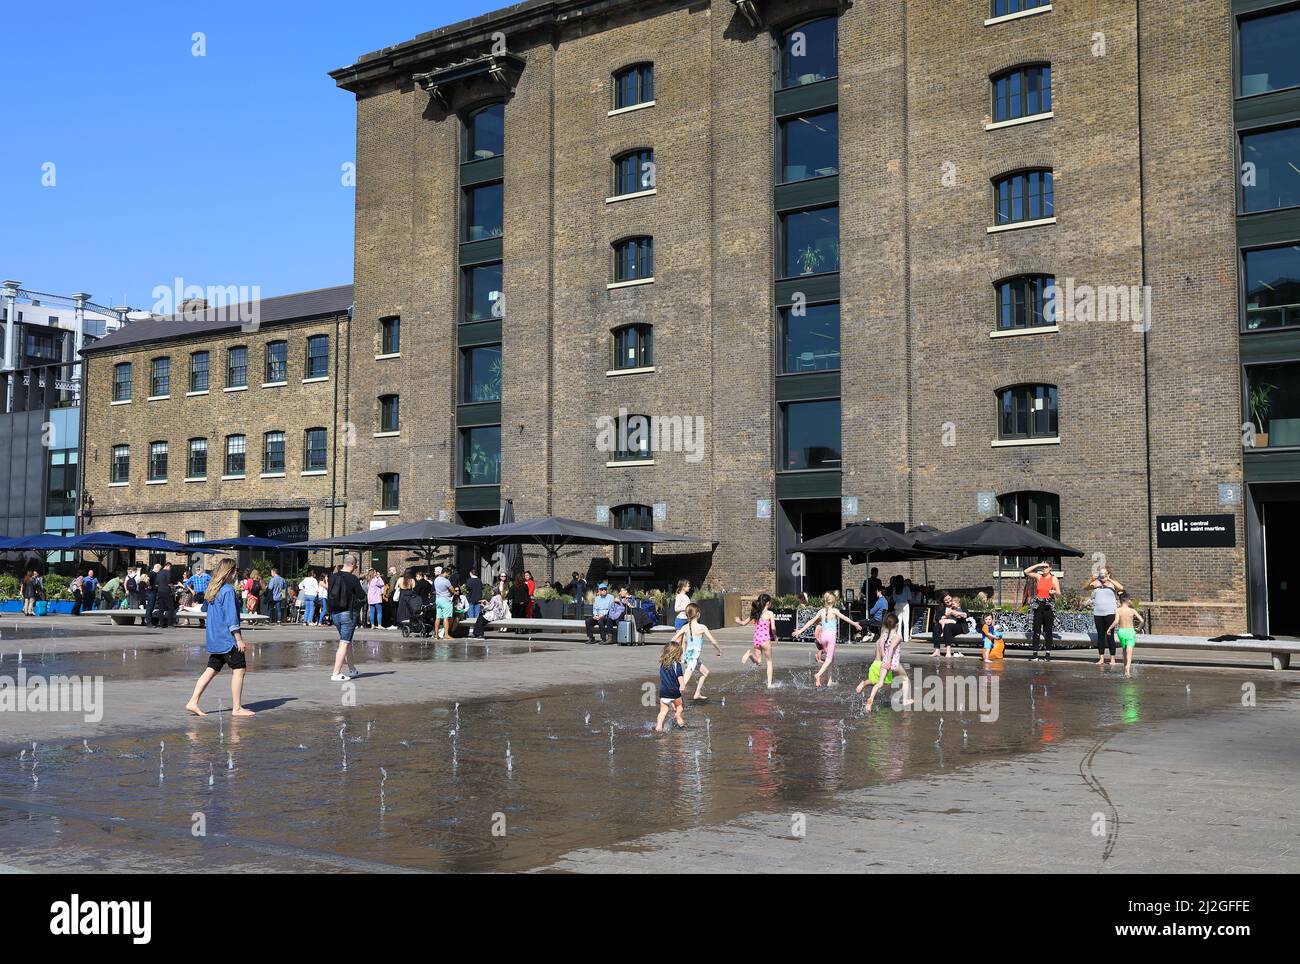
[[346, 597], [166, 599]]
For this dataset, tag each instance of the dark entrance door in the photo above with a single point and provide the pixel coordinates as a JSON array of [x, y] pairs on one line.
[[472, 557], [1281, 524], [801, 520]]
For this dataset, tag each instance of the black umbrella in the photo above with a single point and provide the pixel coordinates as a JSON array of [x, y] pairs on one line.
[[880, 543], [424, 536], [918, 532], [996, 536], [509, 555]]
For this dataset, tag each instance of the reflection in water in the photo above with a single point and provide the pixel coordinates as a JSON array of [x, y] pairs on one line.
[[424, 785]]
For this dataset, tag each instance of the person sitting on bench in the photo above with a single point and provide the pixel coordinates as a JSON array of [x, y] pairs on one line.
[[601, 614], [877, 611]]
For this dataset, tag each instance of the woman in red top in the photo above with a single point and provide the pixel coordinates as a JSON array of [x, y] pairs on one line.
[[1046, 588], [532, 587]]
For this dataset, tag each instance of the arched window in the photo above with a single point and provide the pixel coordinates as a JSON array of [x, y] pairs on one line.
[[314, 453], [1025, 301], [634, 172], [277, 362], [633, 347], [1023, 196], [634, 259], [641, 519], [1023, 91], [485, 133], [1027, 412], [1041, 511], [809, 52], [632, 438], [634, 85], [389, 491]]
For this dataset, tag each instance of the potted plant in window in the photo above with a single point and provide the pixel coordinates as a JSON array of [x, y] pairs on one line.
[[810, 259], [1261, 403]]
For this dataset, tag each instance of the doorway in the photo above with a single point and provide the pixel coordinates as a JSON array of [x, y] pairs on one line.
[[800, 520], [1281, 523]]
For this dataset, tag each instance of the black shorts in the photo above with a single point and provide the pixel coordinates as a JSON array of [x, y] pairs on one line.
[[234, 659]]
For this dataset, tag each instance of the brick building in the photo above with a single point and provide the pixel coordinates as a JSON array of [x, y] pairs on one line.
[[224, 423]]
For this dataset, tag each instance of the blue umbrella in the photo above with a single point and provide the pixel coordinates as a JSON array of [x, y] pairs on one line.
[[242, 542], [42, 543]]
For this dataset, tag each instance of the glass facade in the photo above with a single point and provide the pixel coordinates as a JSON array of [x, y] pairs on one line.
[[482, 292], [810, 242], [634, 85], [1268, 44], [809, 146], [810, 53], [1270, 169], [481, 374], [1024, 196], [480, 455], [485, 133], [810, 435], [810, 338], [1027, 412], [1273, 404], [1022, 92], [1272, 278]]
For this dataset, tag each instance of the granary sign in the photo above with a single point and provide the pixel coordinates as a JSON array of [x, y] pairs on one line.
[[1196, 531]]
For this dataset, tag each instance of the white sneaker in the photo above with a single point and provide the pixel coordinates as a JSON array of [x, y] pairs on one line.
[[441, 633], [340, 678]]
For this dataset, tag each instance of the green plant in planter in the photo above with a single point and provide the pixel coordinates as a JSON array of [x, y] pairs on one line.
[[549, 594], [1261, 404], [810, 259], [56, 588], [703, 595], [785, 602], [10, 588]]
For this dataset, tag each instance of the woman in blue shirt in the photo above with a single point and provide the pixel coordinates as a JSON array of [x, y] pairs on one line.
[[224, 641]]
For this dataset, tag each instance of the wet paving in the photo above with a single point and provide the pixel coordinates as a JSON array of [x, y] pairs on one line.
[[514, 783], [151, 662]]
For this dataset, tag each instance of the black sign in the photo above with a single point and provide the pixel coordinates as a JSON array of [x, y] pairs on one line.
[[1196, 531]]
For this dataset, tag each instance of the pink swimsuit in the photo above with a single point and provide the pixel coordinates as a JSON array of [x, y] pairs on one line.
[[762, 633]]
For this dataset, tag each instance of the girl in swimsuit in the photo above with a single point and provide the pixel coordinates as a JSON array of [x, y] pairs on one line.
[[760, 614], [692, 637], [829, 617], [889, 649]]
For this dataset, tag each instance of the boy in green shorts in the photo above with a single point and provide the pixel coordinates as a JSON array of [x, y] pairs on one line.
[[1125, 629]]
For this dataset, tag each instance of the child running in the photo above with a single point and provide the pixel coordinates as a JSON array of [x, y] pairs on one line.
[[692, 635], [760, 614], [670, 684], [1125, 630], [829, 618], [889, 649]]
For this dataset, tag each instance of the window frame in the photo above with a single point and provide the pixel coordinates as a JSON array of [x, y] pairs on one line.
[[784, 32], [467, 374], [158, 459], [269, 361], [190, 450], [1028, 391], [781, 139], [231, 367], [644, 243], [390, 492], [227, 470], [166, 361], [308, 370], [639, 69], [467, 290], [1033, 5], [206, 370], [622, 432], [1041, 305], [268, 466], [463, 435], [1238, 20], [782, 236], [632, 555], [390, 335], [307, 464], [643, 331], [1046, 195], [1022, 70], [1244, 293], [783, 435], [119, 456], [1015, 565], [389, 403], [118, 396], [644, 155], [782, 326], [468, 193], [468, 140], [1289, 125]]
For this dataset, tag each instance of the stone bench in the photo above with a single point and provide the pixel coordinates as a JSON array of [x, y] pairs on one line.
[[543, 626], [127, 617], [1280, 650]]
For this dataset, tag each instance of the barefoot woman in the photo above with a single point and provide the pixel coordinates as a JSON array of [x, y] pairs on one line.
[[225, 642]]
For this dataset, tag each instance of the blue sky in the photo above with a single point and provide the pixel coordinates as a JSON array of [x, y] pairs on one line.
[[223, 169]]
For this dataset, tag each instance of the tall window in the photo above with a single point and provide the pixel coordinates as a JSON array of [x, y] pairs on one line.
[[390, 413], [318, 356], [160, 379], [277, 361], [485, 133], [236, 449], [810, 52], [199, 371], [273, 453], [810, 435], [1022, 92], [122, 382], [61, 493], [1023, 302], [1024, 196], [1027, 412], [808, 146], [157, 461], [634, 259], [639, 518], [1273, 404], [1268, 46], [390, 335], [484, 212], [237, 367], [390, 495], [481, 292], [1000, 8], [634, 85], [634, 172], [157, 556], [810, 242], [633, 347], [1272, 278], [480, 376], [810, 338], [196, 466], [1041, 511], [480, 455], [119, 469], [314, 454], [1270, 169]]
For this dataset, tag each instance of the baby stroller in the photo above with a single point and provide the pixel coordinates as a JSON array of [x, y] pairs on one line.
[[422, 623]]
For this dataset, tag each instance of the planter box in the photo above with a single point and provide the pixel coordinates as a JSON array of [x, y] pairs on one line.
[[1017, 623], [11, 606], [785, 624], [711, 613], [61, 607], [548, 609]]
